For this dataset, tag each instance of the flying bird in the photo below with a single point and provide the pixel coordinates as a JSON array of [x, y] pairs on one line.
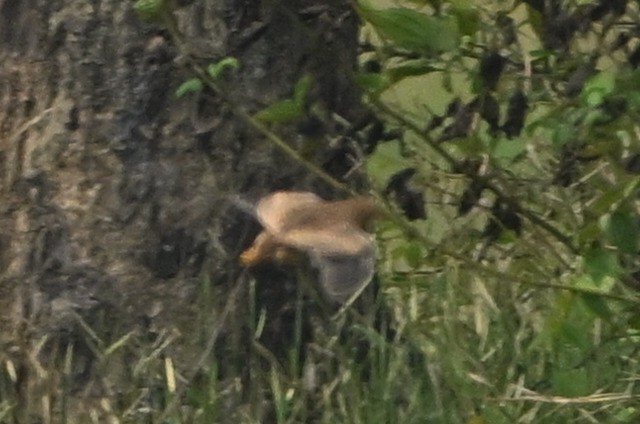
[[332, 234]]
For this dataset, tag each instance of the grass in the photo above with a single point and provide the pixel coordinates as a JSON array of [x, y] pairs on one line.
[[453, 348]]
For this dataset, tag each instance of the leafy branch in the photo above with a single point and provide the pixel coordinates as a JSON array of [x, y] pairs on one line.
[[160, 11], [484, 181]]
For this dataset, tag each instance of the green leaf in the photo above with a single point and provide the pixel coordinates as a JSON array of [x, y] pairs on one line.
[[288, 110], [573, 331], [607, 200], [564, 133], [600, 263], [194, 85], [386, 161], [411, 68], [507, 151], [413, 253], [598, 305], [411, 29], [594, 98], [150, 10], [373, 82], [589, 233], [466, 14], [301, 90], [603, 81], [471, 145], [626, 415], [282, 112], [594, 303], [565, 323], [215, 70], [598, 87], [570, 382], [622, 230]]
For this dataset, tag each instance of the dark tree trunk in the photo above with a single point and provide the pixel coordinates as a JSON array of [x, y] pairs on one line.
[[112, 213]]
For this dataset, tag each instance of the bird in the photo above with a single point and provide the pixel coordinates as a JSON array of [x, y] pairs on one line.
[[333, 234]]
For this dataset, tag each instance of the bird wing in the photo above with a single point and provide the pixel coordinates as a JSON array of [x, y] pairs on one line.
[[305, 221], [344, 256], [343, 275], [339, 239], [276, 210]]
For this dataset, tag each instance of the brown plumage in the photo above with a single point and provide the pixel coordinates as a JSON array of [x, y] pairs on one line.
[[332, 234]]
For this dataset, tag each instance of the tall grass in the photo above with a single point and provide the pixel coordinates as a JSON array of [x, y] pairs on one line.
[[450, 348]]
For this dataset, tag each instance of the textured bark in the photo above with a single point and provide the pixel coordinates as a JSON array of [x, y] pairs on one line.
[[112, 202]]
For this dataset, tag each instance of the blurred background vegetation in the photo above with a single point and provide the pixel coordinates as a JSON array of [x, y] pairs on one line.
[[503, 138], [516, 121]]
